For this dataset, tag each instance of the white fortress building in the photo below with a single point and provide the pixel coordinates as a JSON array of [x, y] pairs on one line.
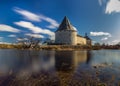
[[67, 35]]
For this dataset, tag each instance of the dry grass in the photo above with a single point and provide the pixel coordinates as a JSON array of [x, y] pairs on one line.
[[95, 77], [64, 47]]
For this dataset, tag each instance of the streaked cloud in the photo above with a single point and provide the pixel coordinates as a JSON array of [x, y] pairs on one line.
[[105, 35], [100, 34], [34, 35], [100, 2], [105, 38], [1, 38], [53, 23], [112, 6], [11, 35], [116, 41], [35, 17], [7, 28], [5, 43], [27, 15], [22, 39], [33, 28], [29, 26], [52, 37]]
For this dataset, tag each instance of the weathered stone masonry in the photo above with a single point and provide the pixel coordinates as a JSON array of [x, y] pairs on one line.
[[67, 35]]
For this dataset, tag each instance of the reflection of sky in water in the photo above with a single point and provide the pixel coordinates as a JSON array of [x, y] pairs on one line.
[[26, 60], [35, 61], [105, 56]]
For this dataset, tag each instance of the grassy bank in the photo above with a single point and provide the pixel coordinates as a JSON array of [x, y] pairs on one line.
[[7, 46], [64, 47], [58, 47], [47, 47]]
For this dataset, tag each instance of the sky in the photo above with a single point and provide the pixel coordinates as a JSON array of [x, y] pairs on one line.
[[41, 18]]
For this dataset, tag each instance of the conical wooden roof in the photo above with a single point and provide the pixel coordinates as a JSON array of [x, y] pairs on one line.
[[65, 25]]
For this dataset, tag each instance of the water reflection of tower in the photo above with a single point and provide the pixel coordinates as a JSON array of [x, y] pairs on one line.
[[63, 60], [66, 63], [89, 57], [82, 57], [68, 60], [79, 57]]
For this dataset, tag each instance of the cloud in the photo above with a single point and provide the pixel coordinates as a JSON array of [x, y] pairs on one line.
[[6, 28], [1, 38], [53, 23], [27, 15], [28, 25], [35, 35], [100, 34], [112, 6], [11, 35], [34, 17], [105, 34], [105, 38], [5, 43], [22, 39], [100, 2], [33, 28], [115, 41]]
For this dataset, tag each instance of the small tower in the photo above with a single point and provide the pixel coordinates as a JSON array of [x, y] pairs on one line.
[[65, 34], [88, 40]]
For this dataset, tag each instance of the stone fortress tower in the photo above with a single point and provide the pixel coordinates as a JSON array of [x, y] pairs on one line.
[[67, 35]]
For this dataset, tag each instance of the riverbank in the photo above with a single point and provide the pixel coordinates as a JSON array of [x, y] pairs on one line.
[[8, 46], [58, 47], [65, 47], [47, 47]]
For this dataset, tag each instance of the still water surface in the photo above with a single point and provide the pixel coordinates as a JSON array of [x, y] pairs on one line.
[[59, 65]]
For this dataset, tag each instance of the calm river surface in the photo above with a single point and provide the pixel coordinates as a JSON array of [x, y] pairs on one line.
[[59, 68]]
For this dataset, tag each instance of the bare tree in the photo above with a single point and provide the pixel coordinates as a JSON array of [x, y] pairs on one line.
[[29, 42]]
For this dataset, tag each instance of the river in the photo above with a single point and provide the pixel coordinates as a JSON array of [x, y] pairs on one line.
[[59, 68]]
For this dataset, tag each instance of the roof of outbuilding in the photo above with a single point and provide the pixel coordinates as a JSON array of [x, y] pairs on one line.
[[80, 36], [87, 37]]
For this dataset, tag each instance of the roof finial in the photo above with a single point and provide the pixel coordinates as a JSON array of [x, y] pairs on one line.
[[86, 34], [65, 16], [87, 37]]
